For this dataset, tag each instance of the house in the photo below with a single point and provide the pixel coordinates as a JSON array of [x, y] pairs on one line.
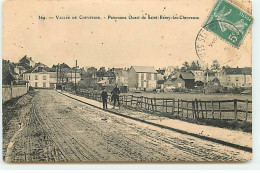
[[19, 69], [187, 77], [175, 83], [53, 79], [142, 77], [236, 77], [8, 78], [161, 74], [37, 77], [27, 62], [199, 75], [121, 77]]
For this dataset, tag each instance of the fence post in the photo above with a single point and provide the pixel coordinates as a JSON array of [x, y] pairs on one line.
[[166, 101], [145, 103], [187, 108], [192, 109], [152, 104], [219, 110], [201, 107], [163, 106], [178, 107], [173, 106], [206, 109], [235, 109], [246, 109], [181, 108], [212, 109], [155, 105], [197, 111]]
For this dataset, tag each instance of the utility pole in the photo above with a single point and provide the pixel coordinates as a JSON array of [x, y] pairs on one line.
[[57, 68], [60, 74], [76, 76]]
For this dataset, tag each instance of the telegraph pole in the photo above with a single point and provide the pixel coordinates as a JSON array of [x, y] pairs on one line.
[[76, 76], [57, 68]]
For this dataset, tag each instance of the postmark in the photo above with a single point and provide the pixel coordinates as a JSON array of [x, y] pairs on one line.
[[209, 46], [232, 23]]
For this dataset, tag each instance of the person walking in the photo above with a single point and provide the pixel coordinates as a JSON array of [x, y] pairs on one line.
[[115, 94], [104, 98]]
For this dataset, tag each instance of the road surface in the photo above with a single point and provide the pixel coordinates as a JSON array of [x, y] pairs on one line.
[[52, 127]]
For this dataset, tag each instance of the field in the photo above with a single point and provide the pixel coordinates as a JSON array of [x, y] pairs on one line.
[[221, 110], [192, 96]]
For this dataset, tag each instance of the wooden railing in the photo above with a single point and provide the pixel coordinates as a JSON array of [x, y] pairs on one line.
[[218, 109]]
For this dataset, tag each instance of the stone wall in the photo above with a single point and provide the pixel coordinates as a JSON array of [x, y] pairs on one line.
[[9, 92]]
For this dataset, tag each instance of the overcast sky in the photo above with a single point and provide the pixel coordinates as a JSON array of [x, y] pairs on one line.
[[110, 43]]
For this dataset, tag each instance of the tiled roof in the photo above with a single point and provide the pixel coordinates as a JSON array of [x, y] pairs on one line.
[[144, 69], [187, 75], [246, 71]]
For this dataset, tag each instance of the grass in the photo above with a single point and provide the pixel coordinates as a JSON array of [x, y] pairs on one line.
[[192, 96]]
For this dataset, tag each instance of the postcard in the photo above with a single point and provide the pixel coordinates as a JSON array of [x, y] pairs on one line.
[[130, 81]]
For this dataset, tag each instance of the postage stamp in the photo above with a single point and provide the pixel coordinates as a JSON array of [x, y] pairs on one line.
[[233, 23]]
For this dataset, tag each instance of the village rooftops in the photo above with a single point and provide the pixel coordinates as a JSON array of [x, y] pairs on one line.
[[144, 69], [162, 72], [183, 75], [26, 58], [236, 71]]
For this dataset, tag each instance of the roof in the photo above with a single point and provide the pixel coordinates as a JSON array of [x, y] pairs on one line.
[[7, 79], [27, 58], [162, 72], [20, 67], [233, 71], [144, 69], [187, 75], [169, 82]]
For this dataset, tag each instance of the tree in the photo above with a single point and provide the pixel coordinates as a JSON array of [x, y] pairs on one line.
[[185, 66], [215, 65], [195, 65]]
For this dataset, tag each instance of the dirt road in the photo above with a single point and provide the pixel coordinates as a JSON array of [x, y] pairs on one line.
[[52, 127]]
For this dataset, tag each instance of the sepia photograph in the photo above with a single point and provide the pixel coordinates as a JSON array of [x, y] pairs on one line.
[[129, 81]]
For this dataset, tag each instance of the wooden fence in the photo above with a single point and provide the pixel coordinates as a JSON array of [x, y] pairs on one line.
[[221, 109]]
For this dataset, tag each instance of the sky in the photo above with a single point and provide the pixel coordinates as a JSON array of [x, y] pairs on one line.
[[112, 43]]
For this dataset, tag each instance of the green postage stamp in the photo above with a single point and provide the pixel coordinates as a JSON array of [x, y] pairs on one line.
[[229, 22]]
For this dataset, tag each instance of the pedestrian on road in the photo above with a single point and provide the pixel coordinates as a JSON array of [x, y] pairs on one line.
[[104, 98], [115, 94]]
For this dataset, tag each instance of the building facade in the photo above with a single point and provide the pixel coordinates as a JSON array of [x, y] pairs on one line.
[[142, 77], [236, 77]]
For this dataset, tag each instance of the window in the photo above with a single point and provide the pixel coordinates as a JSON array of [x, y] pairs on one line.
[[44, 77], [29, 77], [36, 84], [36, 77], [44, 84], [236, 79]]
